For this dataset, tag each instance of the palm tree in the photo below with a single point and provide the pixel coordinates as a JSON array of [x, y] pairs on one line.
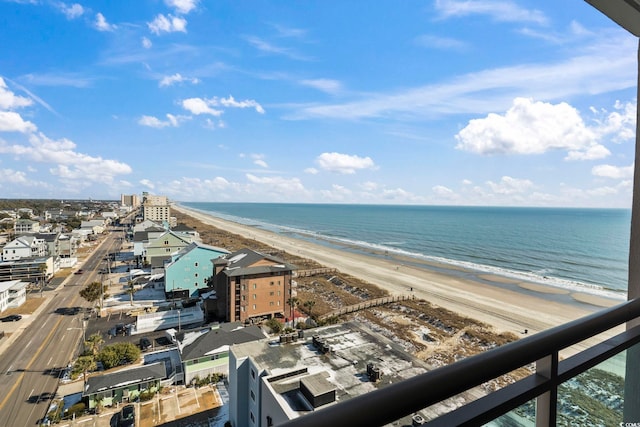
[[131, 291], [42, 269], [293, 302], [93, 343], [309, 305]]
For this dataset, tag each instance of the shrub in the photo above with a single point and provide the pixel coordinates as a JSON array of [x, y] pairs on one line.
[[78, 409], [274, 325]]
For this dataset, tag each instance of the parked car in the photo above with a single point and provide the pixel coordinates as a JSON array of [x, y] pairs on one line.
[[11, 318], [127, 416], [145, 344], [79, 272]]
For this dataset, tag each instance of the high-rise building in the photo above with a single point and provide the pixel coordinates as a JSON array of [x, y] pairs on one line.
[[156, 209], [132, 200]]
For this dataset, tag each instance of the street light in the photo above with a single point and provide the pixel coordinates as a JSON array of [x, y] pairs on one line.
[[178, 320]]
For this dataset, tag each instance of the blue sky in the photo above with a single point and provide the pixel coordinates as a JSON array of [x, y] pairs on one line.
[[476, 102]]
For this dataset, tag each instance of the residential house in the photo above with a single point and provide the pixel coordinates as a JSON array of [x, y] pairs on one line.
[[189, 270], [12, 294], [251, 285], [32, 270], [163, 247], [52, 242], [124, 385], [141, 240], [209, 353], [97, 226], [146, 225], [183, 230], [26, 226], [68, 245], [26, 246], [110, 216]]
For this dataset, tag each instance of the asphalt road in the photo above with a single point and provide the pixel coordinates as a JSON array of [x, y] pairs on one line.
[[29, 368]]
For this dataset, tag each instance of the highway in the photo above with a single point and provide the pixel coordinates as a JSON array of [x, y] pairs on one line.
[[30, 367]]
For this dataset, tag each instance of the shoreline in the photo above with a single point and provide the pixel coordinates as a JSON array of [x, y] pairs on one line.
[[507, 304]]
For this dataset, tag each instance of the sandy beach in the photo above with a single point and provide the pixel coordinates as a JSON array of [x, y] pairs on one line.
[[509, 305]]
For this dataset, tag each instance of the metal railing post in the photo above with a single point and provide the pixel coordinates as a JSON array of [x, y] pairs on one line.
[[547, 403]]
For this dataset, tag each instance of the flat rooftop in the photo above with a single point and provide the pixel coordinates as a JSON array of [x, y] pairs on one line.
[[330, 357]]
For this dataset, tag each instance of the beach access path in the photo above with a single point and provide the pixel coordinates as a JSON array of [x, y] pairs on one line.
[[529, 306]]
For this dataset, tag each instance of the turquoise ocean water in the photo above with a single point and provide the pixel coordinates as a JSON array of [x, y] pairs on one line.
[[579, 249]]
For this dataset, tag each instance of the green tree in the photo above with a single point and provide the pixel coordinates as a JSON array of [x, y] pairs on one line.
[[83, 365], [93, 291], [93, 343], [118, 354]]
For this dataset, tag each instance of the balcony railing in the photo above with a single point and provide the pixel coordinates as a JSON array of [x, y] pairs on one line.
[[393, 402]]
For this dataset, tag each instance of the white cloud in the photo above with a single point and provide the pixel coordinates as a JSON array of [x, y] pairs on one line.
[[325, 85], [101, 23], [532, 128], [620, 124], [438, 42], [72, 12], [8, 100], [607, 65], [614, 172], [271, 48], [10, 176], [509, 185], [200, 106], [154, 122], [182, 6], [258, 159], [442, 191], [147, 183], [204, 106], [167, 24], [12, 122], [344, 163], [276, 184], [68, 163], [311, 171], [231, 102], [176, 78], [146, 43], [501, 10]]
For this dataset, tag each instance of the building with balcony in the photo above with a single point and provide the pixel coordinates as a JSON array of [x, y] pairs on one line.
[[26, 226], [12, 294], [251, 285], [189, 270], [26, 246]]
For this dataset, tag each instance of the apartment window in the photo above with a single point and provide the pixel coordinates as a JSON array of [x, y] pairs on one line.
[[255, 286], [254, 306], [255, 296], [271, 283], [271, 303], [244, 297], [269, 421], [195, 264], [278, 303], [166, 242], [278, 293], [253, 420], [196, 275], [253, 374], [271, 293], [243, 287], [253, 396], [241, 308]]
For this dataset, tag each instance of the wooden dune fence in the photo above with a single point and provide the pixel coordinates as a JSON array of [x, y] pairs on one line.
[[365, 304]]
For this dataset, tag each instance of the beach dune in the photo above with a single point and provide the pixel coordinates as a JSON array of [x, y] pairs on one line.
[[504, 303]]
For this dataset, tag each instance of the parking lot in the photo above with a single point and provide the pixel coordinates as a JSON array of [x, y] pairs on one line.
[[175, 406]]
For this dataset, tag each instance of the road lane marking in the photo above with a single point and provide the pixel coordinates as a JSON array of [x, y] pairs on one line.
[[21, 375]]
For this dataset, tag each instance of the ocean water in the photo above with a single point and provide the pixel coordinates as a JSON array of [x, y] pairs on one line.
[[579, 249]]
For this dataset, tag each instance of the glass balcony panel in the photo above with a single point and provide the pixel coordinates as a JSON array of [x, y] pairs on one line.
[[595, 397], [522, 416]]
